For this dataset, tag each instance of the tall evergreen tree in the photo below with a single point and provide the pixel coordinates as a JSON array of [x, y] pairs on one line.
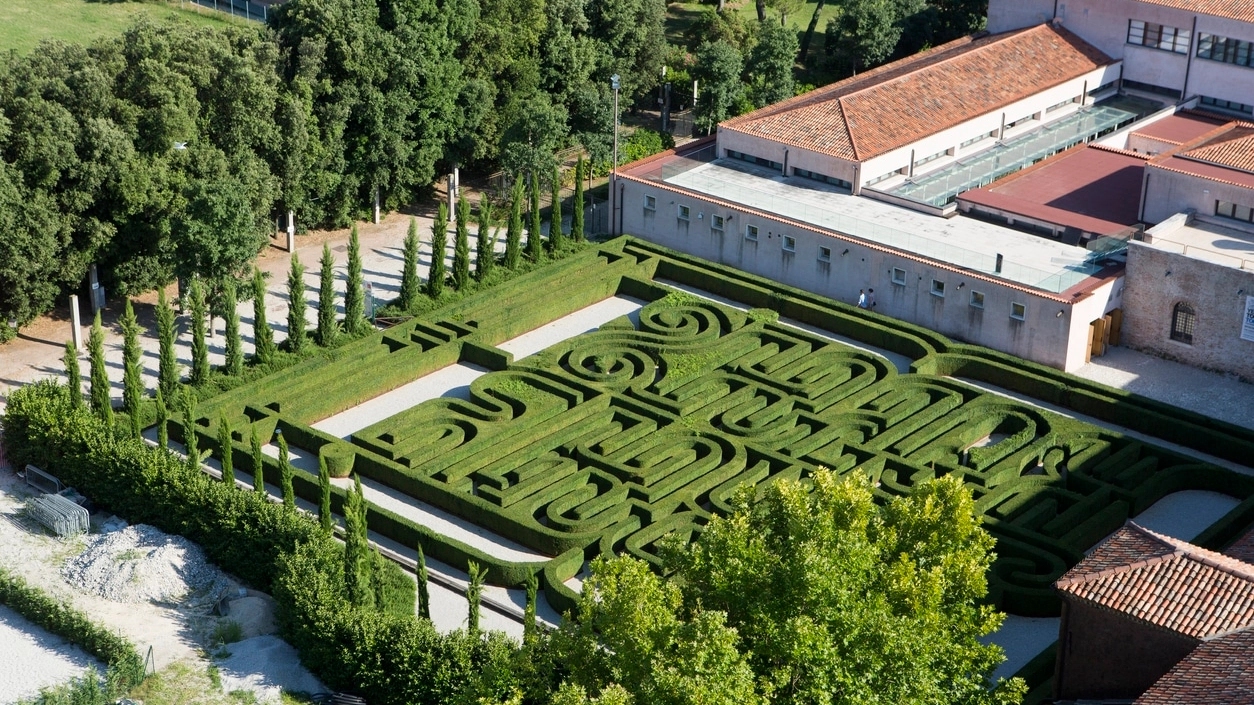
[[576, 216], [556, 236], [529, 613], [410, 287], [100, 399], [324, 496], [227, 448], [439, 242], [296, 306], [132, 372], [356, 548], [474, 590], [163, 421], [461, 246], [168, 365], [259, 465], [354, 296], [191, 442], [285, 471], [485, 240], [513, 231], [234, 363], [73, 375], [200, 350], [535, 239], [263, 337], [424, 591], [327, 328]]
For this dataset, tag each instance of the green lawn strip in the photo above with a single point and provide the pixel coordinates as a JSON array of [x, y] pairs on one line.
[[25, 23]]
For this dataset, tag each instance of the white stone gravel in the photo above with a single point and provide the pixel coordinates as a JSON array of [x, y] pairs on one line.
[[31, 658], [1022, 638], [1184, 515], [142, 564], [265, 666]]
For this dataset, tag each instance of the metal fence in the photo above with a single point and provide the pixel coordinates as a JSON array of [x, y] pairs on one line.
[[247, 9], [60, 515]]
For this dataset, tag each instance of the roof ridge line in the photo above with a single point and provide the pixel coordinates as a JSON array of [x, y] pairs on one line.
[[1205, 556], [844, 121], [1117, 150], [1116, 570]]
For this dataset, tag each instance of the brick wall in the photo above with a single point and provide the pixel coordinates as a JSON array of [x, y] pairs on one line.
[[1211, 289], [1104, 655]]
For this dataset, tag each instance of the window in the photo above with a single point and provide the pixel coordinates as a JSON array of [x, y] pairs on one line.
[[1227, 105], [684, 212], [1156, 36], [751, 233], [1063, 104], [882, 177], [1235, 211], [899, 275], [1021, 121], [1151, 88], [1182, 322], [790, 243], [977, 299], [807, 174], [1102, 89], [938, 288], [755, 160], [650, 203], [931, 158], [1018, 311], [1225, 49], [825, 254], [716, 223]]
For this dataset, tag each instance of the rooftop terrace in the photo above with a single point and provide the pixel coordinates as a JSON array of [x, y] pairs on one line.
[[959, 241]]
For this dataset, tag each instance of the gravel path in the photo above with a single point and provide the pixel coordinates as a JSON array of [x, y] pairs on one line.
[[265, 666], [32, 658], [449, 382], [584, 320], [1023, 639], [1184, 515]]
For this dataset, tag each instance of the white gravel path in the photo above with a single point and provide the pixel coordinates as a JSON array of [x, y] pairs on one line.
[[31, 658], [449, 382], [582, 321], [266, 666], [1022, 638], [1184, 515]]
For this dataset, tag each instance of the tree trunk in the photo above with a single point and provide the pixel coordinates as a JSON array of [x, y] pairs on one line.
[[761, 4], [802, 54]]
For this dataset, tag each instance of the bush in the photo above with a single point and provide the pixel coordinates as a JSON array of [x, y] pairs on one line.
[[339, 457]]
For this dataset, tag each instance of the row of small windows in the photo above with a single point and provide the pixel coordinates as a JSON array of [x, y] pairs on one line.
[[1225, 49], [1235, 211], [806, 173], [1018, 311], [1157, 36], [1226, 105], [760, 161]]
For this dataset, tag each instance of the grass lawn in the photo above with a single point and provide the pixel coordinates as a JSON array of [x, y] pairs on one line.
[[25, 23]]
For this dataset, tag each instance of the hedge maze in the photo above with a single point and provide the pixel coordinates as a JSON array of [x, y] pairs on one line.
[[614, 439]]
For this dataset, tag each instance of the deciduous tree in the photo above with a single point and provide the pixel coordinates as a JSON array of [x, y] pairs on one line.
[[718, 71]]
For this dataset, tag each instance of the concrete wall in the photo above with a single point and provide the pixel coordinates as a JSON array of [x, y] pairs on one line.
[[1210, 288], [1005, 15], [1170, 192], [1044, 336], [1103, 655]]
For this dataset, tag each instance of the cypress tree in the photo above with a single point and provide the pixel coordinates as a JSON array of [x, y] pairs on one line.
[[132, 372], [461, 246], [529, 613], [513, 231], [190, 441], [100, 401], [485, 241], [324, 501], [73, 375], [576, 216], [474, 590], [263, 337], [228, 453], [259, 465], [354, 297], [168, 367], [163, 421], [296, 306], [424, 591], [234, 363], [408, 299], [356, 548], [200, 351], [285, 471], [535, 239], [327, 328], [439, 242], [556, 237]]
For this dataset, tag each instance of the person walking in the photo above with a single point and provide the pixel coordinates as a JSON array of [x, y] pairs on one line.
[[870, 298], [861, 298]]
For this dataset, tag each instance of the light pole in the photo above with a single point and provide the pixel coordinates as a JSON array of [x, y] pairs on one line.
[[614, 163]]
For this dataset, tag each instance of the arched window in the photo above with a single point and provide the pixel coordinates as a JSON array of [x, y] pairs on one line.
[[1182, 321]]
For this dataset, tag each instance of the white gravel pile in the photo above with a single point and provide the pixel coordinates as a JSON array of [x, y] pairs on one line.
[[266, 666], [142, 564]]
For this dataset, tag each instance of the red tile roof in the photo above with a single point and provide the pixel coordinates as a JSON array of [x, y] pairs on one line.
[[1243, 548], [1232, 9], [1219, 672], [1212, 157], [1234, 150], [902, 102], [1165, 582]]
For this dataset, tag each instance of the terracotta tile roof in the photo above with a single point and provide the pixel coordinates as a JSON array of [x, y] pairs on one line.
[[879, 111], [1234, 150], [1166, 582], [1243, 548], [1218, 672], [1232, 9]]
